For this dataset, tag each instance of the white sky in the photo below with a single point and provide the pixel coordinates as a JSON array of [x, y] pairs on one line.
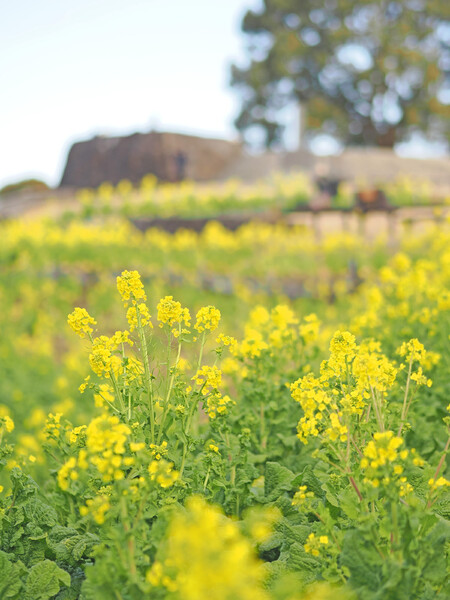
[[73, 68]]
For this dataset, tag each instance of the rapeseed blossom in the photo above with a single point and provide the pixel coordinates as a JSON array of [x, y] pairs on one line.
[[301, 496], [209, 378], [314, 544], [216, 404], [309, 331], [130, 287], [7, 423], [383, 462], [101, 357], [66, 473], [80, 321], [170, 312], [282, 316], [144, 316], [97, 507], [207, 318], [162, 472], [206, 557], [413, 351], [159, 450]]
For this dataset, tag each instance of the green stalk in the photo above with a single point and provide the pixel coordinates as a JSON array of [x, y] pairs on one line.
[[116, 390], [169, 390], [404, 407], [438, 469], [394, 524], [206, 479], [148, 377]]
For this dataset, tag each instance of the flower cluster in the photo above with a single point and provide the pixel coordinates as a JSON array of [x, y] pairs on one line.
[[7, 423], [383, 462], [302, 496], [66, 473], [309, 331], [227, 340], [209, 378], [80, 321], [413, 351], [133, 317], [52, 426], [159, 450], [342, 351], [282, 316], [372, 370], [170, 312], [130, 287], [207, 318], [105, 442], [216, 404], [314, 545], [206, 551], [100, 357], [321, 412], [97, 507], [162, 472]]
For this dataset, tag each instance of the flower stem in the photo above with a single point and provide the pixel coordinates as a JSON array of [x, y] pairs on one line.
[[148, 377]]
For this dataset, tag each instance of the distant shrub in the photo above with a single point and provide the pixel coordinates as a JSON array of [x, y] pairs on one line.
[[29, 185]]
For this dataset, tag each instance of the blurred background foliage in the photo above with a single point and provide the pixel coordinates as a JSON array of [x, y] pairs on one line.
[[364, 72]]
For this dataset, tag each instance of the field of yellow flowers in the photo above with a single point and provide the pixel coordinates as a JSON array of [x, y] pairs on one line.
[[224, 415], [279, 191]]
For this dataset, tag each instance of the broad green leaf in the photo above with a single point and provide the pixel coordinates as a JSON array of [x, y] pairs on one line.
[[44, 581]]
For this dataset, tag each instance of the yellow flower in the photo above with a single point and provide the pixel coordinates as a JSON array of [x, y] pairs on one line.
[[413, 350], [100, 357], [313, 544], [8, 423], [342, 350], [66, 473], [132, 316], [158, 451], [80, 321], [282, 316], [216, 404], [136, 446], [170, 312], [162, 472], [226, 340], [201, 540], [208, 317], [437, 483], [130, 287], [105, 394], [97, 507], [301, 496], [209, 378], [75, 433], [310, 330]]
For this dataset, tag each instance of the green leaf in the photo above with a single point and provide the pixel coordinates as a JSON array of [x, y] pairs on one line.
[[299, 561], [40, 513], [10, 583], [349, 503], [277, 479], [44, 581], [362, 560], [308, 478]]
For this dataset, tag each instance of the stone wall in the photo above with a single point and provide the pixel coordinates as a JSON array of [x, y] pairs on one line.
[[100, 159], [370, 166]]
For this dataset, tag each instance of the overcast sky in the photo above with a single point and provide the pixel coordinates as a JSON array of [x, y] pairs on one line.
[[73, 68]]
